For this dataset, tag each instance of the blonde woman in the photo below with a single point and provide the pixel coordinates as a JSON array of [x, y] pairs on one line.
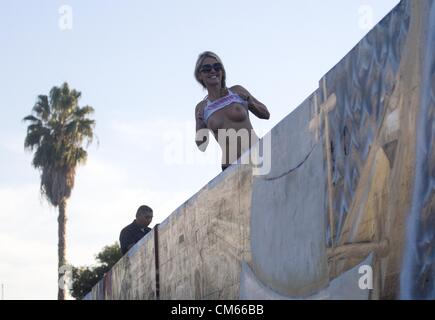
[[224, 111]]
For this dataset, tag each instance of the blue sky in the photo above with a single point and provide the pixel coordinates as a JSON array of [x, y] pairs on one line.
[[133, 62]]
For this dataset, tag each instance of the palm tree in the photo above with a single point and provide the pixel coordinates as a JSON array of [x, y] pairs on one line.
[[57, 130]]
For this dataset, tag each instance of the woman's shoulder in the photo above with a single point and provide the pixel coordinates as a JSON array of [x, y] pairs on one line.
[[201, 105], [239, 90], [236, 88]]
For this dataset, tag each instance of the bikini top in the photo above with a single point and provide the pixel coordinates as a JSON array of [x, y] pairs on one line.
[[221, 103]]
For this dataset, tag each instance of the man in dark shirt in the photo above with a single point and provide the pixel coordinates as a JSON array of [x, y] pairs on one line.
[[137, 229]]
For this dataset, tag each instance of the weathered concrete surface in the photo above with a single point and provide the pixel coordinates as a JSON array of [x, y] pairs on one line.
[[287, 224], [133, 277], [418, 269], [346, 287], [381, 121], [201, 247], [366, 199], [204, 242], [352, 183]]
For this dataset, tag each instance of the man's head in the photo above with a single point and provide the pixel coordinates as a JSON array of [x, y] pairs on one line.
[[144, 215]]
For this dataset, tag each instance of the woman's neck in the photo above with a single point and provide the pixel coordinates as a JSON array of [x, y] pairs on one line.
[[215, 92]]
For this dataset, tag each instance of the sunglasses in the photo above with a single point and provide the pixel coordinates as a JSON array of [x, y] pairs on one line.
[[208, 67]]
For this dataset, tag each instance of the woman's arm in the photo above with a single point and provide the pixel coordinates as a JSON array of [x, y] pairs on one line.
[[202, 133], [255, 106]]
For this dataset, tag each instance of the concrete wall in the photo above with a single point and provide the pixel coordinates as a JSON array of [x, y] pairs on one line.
[[287, 225], [204, 242], [351, 185], [133, 277]]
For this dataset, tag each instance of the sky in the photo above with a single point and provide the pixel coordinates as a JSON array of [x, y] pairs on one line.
[[133, 61]]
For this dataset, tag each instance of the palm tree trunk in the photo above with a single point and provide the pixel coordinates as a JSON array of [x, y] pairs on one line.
[[61, 247]]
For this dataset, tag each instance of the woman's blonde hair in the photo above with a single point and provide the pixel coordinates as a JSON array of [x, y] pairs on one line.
[[201, 58]]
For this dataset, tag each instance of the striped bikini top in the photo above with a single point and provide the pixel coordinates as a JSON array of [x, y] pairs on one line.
[[221, 103]]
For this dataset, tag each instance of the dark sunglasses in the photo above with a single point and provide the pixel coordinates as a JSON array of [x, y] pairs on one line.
[[208, 67]]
